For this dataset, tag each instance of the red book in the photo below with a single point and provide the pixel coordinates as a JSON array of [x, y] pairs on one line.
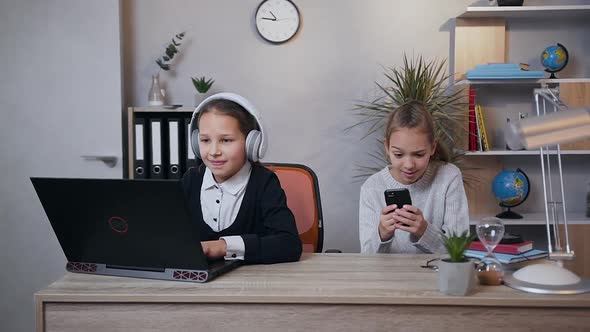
[[513, 248]]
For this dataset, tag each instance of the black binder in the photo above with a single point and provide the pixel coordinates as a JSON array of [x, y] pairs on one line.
[[140, 166], [175, 147], [157, 170]]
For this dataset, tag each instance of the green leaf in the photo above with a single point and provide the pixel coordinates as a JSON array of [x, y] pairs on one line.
[[170, 51], [456, 244], [425, 81], [202, 84], [162, 65]]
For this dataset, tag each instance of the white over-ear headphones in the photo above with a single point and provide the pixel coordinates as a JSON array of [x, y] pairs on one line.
[[256, 143]]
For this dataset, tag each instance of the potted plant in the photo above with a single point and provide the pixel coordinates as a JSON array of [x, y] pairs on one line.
[[456, 274], [426, 81], [156, 94], [202, 84]]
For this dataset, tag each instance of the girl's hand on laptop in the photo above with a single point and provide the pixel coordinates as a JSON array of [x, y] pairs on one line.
[[214, 249]]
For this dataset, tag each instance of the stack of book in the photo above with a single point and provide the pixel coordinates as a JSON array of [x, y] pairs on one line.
[[496, 71], [507, 253]]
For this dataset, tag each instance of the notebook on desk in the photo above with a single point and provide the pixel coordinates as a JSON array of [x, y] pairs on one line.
[[132, 228]]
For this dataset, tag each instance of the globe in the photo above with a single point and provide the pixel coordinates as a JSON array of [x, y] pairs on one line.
[[511, 188], [554, 58]]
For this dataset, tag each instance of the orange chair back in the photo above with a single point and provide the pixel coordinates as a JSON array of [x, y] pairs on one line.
[[303, 199]]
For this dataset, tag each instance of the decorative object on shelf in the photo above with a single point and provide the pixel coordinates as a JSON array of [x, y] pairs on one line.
[[502, 71], [490, 231], [156, 94], [545, 130], [202, 84], [426, 81], [277, 21], [456, 274], [510, 2], [511, 188], [164, 62], [554, 58]]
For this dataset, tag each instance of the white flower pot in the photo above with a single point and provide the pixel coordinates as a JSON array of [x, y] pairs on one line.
[[456, 278], [199, 97]]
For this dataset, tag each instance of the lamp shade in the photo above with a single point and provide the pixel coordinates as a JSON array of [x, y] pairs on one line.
[[552, 128]]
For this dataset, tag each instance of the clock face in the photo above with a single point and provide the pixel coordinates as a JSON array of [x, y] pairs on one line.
[[277, 20]]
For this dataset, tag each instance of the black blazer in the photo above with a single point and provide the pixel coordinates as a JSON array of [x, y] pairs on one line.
[[264, 221]]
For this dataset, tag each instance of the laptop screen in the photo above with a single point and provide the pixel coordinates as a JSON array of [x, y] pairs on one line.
[[141, 224]]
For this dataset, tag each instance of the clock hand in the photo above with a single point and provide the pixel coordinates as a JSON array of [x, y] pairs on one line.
[[268, 18], [273, 15]]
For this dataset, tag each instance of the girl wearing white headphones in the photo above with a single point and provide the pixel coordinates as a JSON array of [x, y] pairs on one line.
[[238, 204]]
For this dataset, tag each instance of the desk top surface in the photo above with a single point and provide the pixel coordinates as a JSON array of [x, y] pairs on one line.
[[317, 278]]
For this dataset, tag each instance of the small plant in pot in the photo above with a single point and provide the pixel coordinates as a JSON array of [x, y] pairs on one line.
[[456, 273], [202, 84]]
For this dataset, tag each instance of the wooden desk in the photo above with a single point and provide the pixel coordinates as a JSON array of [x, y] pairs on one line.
[[331, 292]]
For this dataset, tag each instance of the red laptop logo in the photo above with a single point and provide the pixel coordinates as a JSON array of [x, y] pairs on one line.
[[118, 225]]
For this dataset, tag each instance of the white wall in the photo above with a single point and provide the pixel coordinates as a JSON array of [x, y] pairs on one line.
[[60, 98]]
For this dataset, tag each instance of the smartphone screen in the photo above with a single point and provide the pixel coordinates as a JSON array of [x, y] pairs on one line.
[[399, 197]]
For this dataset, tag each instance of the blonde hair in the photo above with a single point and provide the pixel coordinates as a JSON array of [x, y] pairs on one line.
[[414, 114]]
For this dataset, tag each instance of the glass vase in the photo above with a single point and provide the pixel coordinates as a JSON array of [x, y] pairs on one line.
[[156, 95]]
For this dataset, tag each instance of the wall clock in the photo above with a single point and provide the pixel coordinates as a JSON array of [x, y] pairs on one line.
[[277, 21]]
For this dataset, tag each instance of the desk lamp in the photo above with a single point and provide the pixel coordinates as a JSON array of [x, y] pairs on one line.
[[545, 132]]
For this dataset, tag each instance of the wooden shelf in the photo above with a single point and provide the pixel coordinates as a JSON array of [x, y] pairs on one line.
[[524, 81], [565, 11], [535, 219], [523, 152], [163, 109]]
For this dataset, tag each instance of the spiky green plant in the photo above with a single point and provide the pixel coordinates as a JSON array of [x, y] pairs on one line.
[[171, 50], [457, 244], [425, 81], [202, 84]]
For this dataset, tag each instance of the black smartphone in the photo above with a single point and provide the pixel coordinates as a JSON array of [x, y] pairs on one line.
[[399, 197]]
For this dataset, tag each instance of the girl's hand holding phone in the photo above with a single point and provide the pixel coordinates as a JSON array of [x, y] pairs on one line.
[[387, 224], [410, 219]]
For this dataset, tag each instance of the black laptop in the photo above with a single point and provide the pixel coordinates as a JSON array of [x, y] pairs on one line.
[[132, 228]]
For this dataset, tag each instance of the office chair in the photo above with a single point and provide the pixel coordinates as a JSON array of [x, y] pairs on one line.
[[303, 198]]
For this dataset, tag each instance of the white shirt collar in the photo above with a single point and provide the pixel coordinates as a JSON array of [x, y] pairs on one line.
[[232, 185]]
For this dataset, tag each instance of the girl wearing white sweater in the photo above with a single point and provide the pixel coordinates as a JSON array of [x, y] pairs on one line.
[[420, 164]]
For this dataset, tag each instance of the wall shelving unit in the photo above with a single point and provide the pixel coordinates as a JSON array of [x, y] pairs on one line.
[[481, 37]]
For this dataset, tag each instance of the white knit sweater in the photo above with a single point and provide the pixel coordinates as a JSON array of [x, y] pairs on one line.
[[439, 194]]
